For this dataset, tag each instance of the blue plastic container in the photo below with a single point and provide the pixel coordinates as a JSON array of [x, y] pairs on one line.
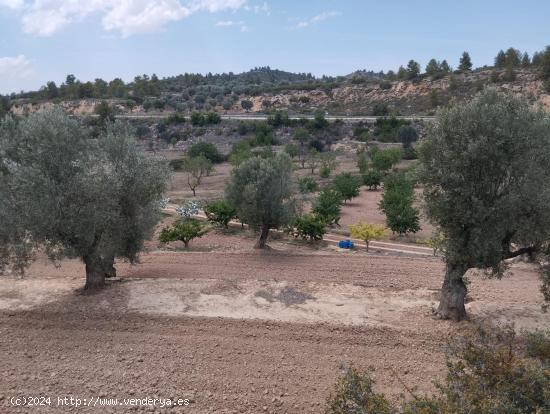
[[345, 244]]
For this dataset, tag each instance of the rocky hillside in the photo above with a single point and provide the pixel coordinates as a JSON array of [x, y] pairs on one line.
[[369, 96]]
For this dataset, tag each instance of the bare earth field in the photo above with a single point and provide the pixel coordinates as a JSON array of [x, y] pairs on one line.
[[235, 330]]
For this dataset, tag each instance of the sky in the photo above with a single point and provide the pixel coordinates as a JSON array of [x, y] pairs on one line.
[[42, 40]]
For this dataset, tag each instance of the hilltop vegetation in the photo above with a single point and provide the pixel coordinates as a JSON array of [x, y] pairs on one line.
[[409, 90]]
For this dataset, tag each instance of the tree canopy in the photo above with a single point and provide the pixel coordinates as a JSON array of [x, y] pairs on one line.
[[74, 196], [261, 191], [486, 175]]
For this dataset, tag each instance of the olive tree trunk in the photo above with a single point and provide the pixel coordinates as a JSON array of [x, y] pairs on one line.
[[261, 243], [95, 271], [453, 293]]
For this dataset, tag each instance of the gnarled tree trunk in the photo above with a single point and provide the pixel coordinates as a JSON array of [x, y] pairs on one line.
[[453, 293], [95, 272], [261, 243]]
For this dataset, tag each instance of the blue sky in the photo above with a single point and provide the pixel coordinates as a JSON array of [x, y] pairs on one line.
[[44, 40]]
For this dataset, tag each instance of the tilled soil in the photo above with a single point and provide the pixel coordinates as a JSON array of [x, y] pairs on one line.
[[55, 341]]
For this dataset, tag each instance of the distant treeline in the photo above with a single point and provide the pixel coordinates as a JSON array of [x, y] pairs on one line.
[[190, 91]]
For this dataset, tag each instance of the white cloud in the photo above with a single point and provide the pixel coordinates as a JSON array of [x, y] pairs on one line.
[[130, 17], [227, 23], [318, 18], [264, 8], [12, 70], [231, 23], [46, 17], [11, 4], [214, 6]]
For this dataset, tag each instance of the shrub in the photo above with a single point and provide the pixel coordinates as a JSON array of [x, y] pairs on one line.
[[213, 118], [409, 153], [185, 230], [220, 212], [309, 226], [384, 160], [327, 206], [367, 232], [207, 150], [354, 394], [292, 150], [307, 185], [372, 179], [324, 171], [198, 119], [175, 119], [347, 185]]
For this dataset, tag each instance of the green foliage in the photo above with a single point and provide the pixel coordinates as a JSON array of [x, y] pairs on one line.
[[198, 119], [328, 206], [372, 179], [328, 163], [278, 119], [264, 135], [105, 112], [397, 205], [73, 196], [384, 160], [292, 150], [312, 159], [501, 144], [347, 185], [220, 212], [307, 185], [387, 129], [175, 119], [367, 232], [196, 168], [319, 121], [240, 152], [262, 193], [465, 64], [413, 69], [544, 64], [213, 118], [354, 394], [362, 161], [207, 150], [380, 109], [184, 230], [537, 345], [246, 105], [407, 135], [309, 226]]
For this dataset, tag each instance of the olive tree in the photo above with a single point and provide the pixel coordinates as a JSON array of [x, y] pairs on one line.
[[262, 193], [486, 176], [73, 196]]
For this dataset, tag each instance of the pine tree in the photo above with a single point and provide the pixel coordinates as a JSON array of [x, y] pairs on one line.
[[465, 62]]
